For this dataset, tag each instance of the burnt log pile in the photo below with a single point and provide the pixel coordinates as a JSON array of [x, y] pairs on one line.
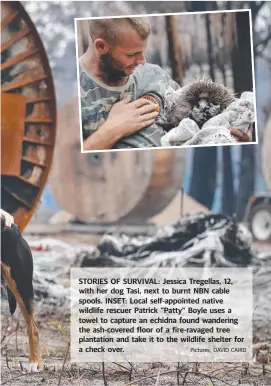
[[213, 240]]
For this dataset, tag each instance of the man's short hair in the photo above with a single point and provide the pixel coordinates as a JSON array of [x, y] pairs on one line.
[[112, 29]]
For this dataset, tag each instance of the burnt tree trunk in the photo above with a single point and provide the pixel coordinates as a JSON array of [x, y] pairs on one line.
[[209, 47], [241, 55], [203, 179], [224, 57], [228, 198], [242, 76], [174, 50], [228, 194]]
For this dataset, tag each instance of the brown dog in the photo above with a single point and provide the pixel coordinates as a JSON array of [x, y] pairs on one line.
[[17, 271]]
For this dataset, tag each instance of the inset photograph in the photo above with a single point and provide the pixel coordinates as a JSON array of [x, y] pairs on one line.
[[166, 80]]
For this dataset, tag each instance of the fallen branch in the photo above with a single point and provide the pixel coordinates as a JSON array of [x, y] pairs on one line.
[[7, 360], [104, 379], [158, 378], [64, 361]]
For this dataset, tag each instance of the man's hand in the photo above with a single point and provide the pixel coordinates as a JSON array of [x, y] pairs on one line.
[[125, 118], [240, 136], [129, 117], [9, 220]]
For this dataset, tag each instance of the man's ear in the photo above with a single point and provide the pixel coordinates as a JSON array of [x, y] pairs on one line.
[[101, 46]]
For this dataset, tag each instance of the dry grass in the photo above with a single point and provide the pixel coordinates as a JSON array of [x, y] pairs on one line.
[[58, 369]]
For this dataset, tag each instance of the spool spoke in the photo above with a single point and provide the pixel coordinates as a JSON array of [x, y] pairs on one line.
[[18, 198], [37, 141], [8, 19], [39, 99], [33, 162], [20, 35], [26, 180], [18, 58], [25, 80]]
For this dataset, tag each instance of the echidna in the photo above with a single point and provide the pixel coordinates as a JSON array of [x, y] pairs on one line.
[[200, 101]]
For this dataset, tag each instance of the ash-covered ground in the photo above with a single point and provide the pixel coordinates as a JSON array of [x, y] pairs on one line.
[[53, 258]]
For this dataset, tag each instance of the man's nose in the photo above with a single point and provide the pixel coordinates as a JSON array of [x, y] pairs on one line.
[[140, 59]]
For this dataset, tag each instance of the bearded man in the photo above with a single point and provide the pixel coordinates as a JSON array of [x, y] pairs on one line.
[[113, 76]]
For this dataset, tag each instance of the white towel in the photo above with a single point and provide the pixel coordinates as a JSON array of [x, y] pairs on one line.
[[238, 115]]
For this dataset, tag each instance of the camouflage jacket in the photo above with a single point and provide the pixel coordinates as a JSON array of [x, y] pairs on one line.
[[97, 99]]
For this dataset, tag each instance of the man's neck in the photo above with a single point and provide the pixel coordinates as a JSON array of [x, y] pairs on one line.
[[91, 63]]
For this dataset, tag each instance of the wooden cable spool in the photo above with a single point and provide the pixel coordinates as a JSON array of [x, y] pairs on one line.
[[266, 154], [104, 187], [28, 113]]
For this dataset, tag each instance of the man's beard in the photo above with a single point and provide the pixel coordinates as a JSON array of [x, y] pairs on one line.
[[111, 68]]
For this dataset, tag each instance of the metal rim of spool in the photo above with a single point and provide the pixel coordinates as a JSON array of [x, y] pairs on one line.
[[14, 186]]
